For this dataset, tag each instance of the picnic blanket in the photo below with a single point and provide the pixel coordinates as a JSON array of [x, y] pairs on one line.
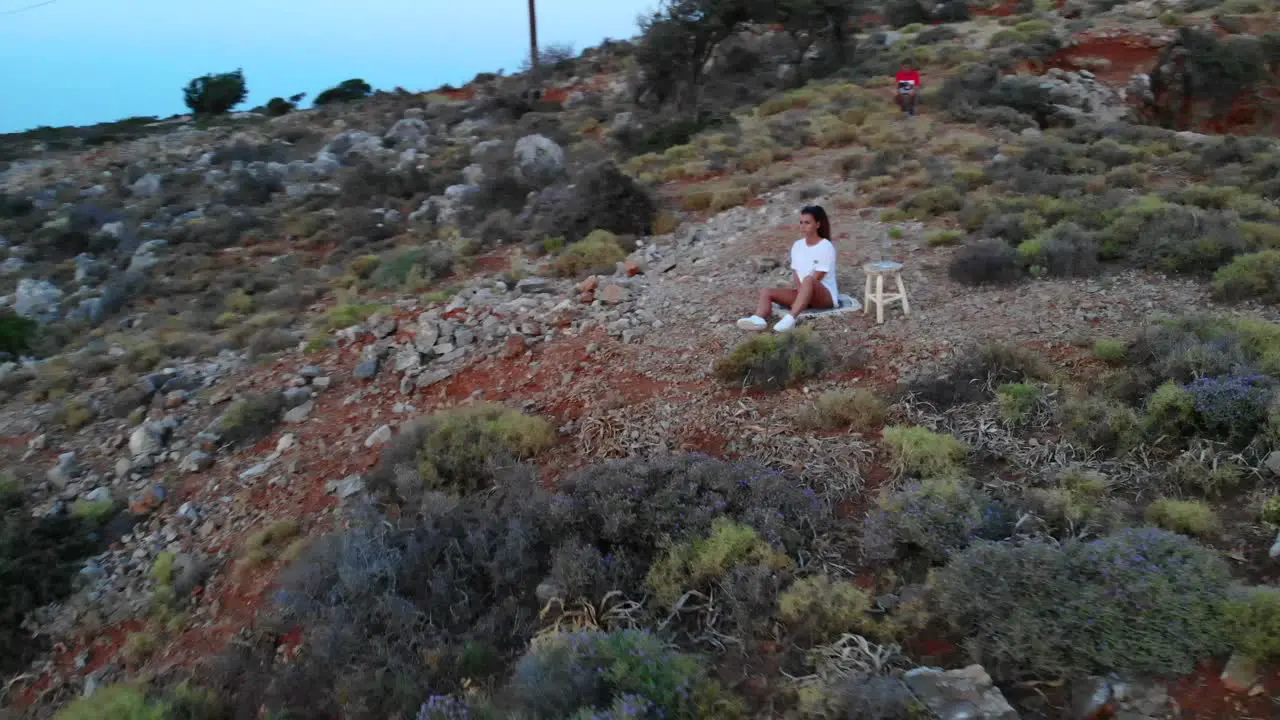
[[844, 304]]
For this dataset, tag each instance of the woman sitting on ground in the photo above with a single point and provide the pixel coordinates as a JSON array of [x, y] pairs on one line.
[[813, 265]]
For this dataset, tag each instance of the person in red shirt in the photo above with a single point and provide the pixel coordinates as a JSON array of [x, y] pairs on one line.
[[908, 85]]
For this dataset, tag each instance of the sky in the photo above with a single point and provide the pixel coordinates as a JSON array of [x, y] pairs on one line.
[[79, 62]]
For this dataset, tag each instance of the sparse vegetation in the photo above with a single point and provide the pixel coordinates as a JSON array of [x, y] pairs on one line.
[[1046, 506], [857, 409], [597, 253], [215, 94], [923, 453], [774, 361], [459, 451]]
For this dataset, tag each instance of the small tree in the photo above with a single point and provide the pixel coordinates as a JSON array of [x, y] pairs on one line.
[[679, 39], [215, 94], [346, 91]]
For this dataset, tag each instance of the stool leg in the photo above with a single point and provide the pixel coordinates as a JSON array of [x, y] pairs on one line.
[[879, 299], [866, 297], [902, 292]]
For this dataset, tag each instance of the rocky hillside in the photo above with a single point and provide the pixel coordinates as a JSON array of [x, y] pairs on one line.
[[431, 404]]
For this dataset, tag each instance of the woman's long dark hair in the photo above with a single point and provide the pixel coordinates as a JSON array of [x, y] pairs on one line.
[[817, 213]]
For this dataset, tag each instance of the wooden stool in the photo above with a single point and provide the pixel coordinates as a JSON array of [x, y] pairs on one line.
[[875, 294]]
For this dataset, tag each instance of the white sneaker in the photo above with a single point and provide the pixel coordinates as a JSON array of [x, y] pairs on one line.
[[755, 323], [785, 324]]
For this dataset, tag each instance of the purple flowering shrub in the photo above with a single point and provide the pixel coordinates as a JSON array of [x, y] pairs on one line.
[[1232, 408], [446, 707], [931, 520], [1141, 601], [612, 676]]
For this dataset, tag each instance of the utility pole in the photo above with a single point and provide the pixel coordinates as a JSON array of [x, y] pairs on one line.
[[533, 36]]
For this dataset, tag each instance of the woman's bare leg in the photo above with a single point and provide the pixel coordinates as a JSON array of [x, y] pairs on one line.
[[812, 294], [768, 296]]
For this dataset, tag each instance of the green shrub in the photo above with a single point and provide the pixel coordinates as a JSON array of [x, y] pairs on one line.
[[932, 202], [774, 361], [346, 314], [1192, 473], [1064, 250], [1189, 517], [74, 414], [598, 252], [116, 702], [345, 91], [1271, 510], [931, 520], [215, 94], [1253, 622], [697, 563], [617, 675], [98, 511], [1017, 401], [1171, 411], [1173, 238], [250, 418], [857, 409], [1251, 276], [1142, 601], [968, 377], [922, 452], [1101, 423], [823, 608], [941, 238], [988, 262], [427, 263], [162, 568], [459, 451], [1110, 351], [16, 333], [39, 557], [267, 542], [1078, 501]]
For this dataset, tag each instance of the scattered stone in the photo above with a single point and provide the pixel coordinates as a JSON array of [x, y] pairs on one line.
[[381, 325], [1240, 673], [1090, 699], [300, 413], [535, 285], [347, 486], [538, 160], [145, 501], [256, 471], [1273, 462], [964, 693], [632, 267], [285, 443], [64, 470], [367, 368], [146, 439], [427, 379], [612, 294], [295, 396], [196, 461], [98, 495], [765, 264], [378, 437], [407, 359], [515, 347]]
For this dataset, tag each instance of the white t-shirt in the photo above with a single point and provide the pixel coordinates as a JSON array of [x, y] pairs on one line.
[[805, 259]]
